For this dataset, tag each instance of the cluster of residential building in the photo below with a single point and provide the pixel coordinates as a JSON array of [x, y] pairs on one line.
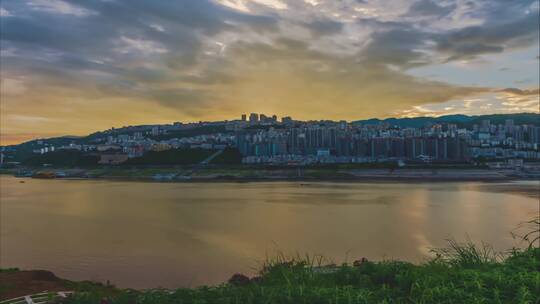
[[343, 142], [265, 139]]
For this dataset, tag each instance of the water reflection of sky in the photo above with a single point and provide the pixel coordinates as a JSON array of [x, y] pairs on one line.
[[191, 234]]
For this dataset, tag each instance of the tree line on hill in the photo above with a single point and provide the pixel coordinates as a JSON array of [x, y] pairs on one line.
[[185, 156]]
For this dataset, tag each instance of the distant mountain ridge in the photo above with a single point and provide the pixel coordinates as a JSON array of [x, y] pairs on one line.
[[459, 119]]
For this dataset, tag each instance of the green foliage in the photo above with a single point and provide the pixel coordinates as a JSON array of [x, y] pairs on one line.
[[24, 151], [463, 121], [532, 232], [463, 273], [171, 157], [468, 254], [63, 158], [6, 286], [9, 270], [229, 156]]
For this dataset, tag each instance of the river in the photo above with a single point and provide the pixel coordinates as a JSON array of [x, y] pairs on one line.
[[145, 234]]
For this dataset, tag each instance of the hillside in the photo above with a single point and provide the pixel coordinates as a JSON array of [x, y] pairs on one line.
[[463, 121]]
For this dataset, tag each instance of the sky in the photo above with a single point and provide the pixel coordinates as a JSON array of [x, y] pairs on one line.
[[79, 66]]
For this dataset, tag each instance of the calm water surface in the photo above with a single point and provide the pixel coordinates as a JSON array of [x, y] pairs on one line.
[[143, 235]]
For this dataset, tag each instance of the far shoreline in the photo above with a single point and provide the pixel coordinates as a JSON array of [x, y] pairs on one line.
[[239, 174], [355, 179]]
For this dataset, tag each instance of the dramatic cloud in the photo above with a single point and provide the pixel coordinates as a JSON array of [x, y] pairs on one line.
[[58, 7], [4, 12], [324, 27], [491, 37], [516, 91], [430, 8], [76, 66]]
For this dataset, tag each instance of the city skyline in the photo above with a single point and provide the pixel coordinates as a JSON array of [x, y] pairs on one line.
[[75, 67], [266, 119], [265, 139]]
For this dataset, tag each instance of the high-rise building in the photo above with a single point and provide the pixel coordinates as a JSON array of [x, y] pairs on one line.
[[253, 118], [534, 135], [509, 125], [486, 124]]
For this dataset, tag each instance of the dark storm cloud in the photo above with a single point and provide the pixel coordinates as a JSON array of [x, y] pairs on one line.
[[429, 8]]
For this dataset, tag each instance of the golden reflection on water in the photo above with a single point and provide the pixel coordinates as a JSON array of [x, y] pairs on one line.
[[144, 235]]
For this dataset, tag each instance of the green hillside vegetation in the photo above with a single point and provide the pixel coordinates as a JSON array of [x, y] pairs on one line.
[[229, 156], [171, 157], [265, 127], [25, 150], [461, 274], [63, 158], [463, 121]]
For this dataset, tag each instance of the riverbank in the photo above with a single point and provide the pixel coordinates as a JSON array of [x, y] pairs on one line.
[[239, 174], [17, 283], [462, 273]]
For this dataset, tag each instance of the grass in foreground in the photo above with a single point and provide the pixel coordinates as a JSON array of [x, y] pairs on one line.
[[462, 273]]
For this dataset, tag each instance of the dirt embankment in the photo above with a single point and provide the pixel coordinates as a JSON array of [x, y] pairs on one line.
[[20, 283]]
